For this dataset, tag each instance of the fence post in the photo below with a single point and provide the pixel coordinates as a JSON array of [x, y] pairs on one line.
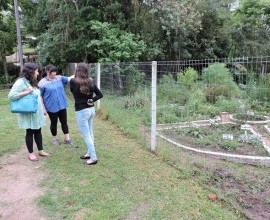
[[154, 106], [98, 83]]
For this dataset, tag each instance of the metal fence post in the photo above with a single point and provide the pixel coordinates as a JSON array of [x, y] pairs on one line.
[[154, 106], [98, 83]]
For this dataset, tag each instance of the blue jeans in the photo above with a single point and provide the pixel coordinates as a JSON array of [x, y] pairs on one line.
[[85, 120]]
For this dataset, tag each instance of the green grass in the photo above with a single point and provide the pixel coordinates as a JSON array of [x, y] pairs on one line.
[[9, 132], [128, 181]]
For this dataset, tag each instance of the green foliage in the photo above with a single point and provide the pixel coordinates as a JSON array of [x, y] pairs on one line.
[[209, 110], [250, 29], [114, 45], [133, 79], [213, 39], [196, 133], [188, 77], [261, 89], [13, 70], [6, 79], [136, 101], [219, 82], [227, 105], [171, 91], [7, 34], [229, 145], [196, 100], [167, 114], [112, 31]]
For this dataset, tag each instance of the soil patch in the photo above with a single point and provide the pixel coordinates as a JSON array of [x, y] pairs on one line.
[[226, 138], [20, 186], [246, 187], [251, 194]]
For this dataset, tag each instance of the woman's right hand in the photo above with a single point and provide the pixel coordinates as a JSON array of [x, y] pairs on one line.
[[29, 90], [26, 92], [90, 102]]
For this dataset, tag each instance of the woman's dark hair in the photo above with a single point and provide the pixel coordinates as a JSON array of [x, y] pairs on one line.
[[51, 68], [43, 72], [28, 72], [82, 78]]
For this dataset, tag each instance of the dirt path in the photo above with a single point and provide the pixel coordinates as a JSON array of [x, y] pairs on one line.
[[19, 187]]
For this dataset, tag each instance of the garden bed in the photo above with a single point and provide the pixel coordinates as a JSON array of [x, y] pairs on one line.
[[226, 138]]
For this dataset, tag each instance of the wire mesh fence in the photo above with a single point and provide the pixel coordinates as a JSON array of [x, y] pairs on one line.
[[202, 111], [127, 95], [187, 91]]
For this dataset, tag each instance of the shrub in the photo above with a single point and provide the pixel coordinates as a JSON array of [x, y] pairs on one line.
[[13, 70], [226, 105], [229, 145], [168, 89], [260, 89], [219, 82], [196, 100], [209, 110], [188, 77], [133, 79], [6, 80], [135, 101]]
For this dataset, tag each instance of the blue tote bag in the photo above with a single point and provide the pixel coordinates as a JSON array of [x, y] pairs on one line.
[[25, 104]]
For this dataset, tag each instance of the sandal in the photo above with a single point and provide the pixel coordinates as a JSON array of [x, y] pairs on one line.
[[85, 157], [91, 163], [32, 157], [43, 154]]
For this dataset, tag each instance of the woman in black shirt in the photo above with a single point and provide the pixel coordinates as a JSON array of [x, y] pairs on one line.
[[83, 89]]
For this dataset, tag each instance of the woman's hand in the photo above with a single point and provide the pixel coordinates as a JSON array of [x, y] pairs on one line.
[[29, 90], [26, 92], [45, 113], [90, 102]]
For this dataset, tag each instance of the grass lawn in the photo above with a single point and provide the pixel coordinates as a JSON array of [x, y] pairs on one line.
[[129, 182]]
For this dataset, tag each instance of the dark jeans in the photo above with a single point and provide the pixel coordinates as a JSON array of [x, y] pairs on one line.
[[62, 115], [29, 139]]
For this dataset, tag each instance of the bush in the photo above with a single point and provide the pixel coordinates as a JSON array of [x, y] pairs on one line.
[[219, 82], [13, 70], [167, 116], [133, 79], [229, 145], [196, 100], [188, 77], [260, 89], [168, 89], [136, 101], [226, 105], [6, 80]]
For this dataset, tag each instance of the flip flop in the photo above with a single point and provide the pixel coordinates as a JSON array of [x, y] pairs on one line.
[[43, 154], [84, 157], [92, 163], [33, 158]]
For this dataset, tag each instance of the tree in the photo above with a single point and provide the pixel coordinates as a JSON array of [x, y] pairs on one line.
[[114, 45], [251, 29], [7, 33]]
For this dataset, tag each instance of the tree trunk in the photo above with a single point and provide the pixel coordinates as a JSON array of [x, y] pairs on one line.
[[5, 68], [3, 58]]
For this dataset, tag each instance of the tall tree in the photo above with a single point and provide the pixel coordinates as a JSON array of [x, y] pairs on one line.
[[7, 32], [251, 29]]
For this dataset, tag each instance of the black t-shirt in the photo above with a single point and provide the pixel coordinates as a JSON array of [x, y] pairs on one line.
[[80, 98]]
